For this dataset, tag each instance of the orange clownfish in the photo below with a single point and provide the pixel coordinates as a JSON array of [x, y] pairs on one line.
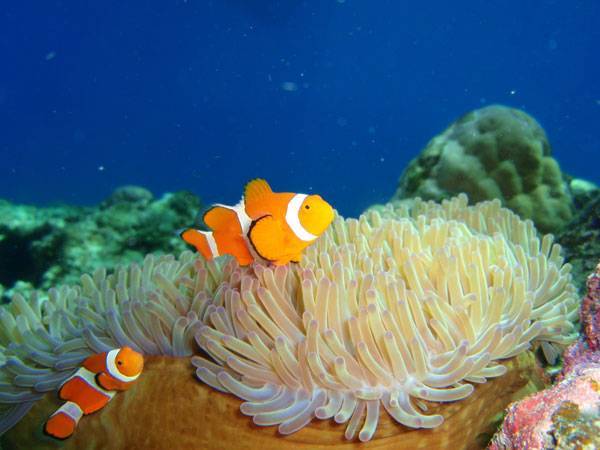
[[273, 226], [92, 387]]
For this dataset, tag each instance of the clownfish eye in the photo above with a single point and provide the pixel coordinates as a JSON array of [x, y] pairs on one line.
[[306, 206], [120, 363]]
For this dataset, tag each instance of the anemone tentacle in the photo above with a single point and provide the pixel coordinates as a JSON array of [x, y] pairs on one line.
[[396, 307], [401, 306]]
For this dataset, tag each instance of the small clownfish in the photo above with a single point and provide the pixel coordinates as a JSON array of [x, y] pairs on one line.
[[273, 226], [92, 387]]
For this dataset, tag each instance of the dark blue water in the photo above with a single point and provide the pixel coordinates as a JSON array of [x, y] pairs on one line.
[[325, 96]]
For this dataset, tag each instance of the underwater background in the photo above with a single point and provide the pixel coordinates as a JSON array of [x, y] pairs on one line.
[[460, 284], [333, 97]]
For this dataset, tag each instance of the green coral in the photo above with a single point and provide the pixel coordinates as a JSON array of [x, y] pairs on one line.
[[493, 152], [42, 247]]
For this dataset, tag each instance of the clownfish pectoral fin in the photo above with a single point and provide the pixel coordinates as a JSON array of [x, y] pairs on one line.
[[255, 193], [222, 218], [266, 237], [203, 241], [108, 383]]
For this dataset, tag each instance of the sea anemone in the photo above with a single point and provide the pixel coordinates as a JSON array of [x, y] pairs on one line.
[[155, 309], [395, 309], [388, 311]]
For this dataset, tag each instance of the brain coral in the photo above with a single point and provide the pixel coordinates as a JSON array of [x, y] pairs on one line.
[[384, 311], [493, 152]]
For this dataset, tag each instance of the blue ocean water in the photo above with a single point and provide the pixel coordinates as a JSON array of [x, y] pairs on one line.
[[328, 96]]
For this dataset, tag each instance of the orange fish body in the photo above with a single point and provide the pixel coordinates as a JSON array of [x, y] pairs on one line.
[[272, 226], [92, 387]]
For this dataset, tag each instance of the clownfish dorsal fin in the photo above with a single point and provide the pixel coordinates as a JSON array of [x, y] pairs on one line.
[[256, 190]]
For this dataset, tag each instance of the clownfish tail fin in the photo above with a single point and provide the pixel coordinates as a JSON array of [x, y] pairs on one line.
[[62, 423], [203, 241], [255, 190]]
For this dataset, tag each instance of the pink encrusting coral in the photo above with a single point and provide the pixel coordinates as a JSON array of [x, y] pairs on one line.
[[568, 414], [590, 312]]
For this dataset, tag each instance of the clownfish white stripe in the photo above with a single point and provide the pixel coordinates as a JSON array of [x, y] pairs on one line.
[[212, 244], [70, 409], [293, 219], [112, 368], [90, 379], [244, 219], [245, 222]]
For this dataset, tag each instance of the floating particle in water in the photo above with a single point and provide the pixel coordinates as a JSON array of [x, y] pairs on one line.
[[50, 55], [342, 121], [101, 168], [512, 92], [289, 86], [552, 44], [341, 1]]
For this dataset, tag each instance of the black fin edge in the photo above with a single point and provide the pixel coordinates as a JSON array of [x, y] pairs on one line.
[[97, 380]]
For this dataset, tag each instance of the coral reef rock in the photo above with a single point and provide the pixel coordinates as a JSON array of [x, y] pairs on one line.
[[567, 415], [42, 247], [493, 152]]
